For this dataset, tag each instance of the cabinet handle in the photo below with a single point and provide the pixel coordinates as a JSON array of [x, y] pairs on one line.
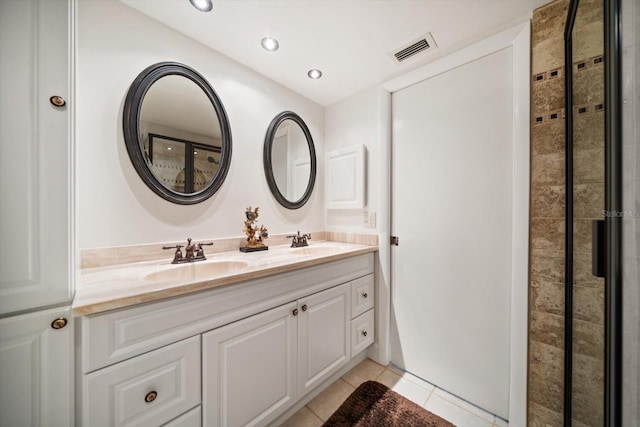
[[295, 312], [57, 101], [151, 396], [365, 295], [304, 307], [59, 323], [364, 333]]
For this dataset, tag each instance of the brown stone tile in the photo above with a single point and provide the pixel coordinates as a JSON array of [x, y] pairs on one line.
[[547, 95], [582, 271], [547, 297], [549, 21], [365, 371], [547, 54], [540, 416], [588, 88], [547, 265], [588, 201], [546, 328], [588, 390], [548, 138], [588, 304], [547, 169], [582, 235], [588, 12], [588, 339], [547, 233], [547, 202], [588, 166], [588, 40], [588, 131], [546, 385]]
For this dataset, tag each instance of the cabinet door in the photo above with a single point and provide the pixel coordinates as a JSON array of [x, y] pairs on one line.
[[36, 363], [323, 335], [35, 153], [249, 369]]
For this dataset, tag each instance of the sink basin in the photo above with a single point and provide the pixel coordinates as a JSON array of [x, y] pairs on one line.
[[316, 250], [196, 270]]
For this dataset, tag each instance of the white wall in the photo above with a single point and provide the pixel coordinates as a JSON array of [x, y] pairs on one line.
[[362, 118], [115, 43]]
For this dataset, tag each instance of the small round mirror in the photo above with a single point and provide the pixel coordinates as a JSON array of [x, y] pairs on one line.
[[177, 133], [289, 160]]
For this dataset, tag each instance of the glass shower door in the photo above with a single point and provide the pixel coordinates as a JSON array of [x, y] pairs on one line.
[[585, 331]]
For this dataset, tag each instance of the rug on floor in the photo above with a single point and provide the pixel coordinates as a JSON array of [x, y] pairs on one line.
[[374, 404]]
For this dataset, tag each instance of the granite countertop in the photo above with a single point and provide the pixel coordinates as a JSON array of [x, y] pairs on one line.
[[108, 288]]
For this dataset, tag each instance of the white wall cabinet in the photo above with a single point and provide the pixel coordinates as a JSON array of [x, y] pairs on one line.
[[266, 343], [36, 372]]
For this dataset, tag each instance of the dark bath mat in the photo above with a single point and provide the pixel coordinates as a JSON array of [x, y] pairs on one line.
[[375, 405]]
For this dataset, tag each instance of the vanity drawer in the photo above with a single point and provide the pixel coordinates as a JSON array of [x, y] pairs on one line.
[[150, 389], [362, 296], [362, 332], [193, 418]]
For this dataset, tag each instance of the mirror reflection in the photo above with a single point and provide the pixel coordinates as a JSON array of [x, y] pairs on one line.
[[180, 135], [289, 160], [177, 133]]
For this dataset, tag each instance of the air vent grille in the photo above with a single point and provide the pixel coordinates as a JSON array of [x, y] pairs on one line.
[[411, 50], [419, 45]]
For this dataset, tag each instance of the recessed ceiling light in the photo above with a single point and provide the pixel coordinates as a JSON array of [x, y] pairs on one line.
[[202, 5], [270, 44], [314, 74]]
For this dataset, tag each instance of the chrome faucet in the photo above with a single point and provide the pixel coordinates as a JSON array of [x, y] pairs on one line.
[[193, 252], [299, 240]]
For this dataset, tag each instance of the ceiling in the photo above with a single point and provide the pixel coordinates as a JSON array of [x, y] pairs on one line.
[[349, 40]]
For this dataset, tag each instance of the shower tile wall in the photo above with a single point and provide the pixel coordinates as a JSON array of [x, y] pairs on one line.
[[546, 287], [546, 316]]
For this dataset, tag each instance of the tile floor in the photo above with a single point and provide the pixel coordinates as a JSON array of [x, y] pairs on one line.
[[438, 401]]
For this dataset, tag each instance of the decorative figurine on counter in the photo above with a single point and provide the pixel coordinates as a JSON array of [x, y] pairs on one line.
[[255, 234]]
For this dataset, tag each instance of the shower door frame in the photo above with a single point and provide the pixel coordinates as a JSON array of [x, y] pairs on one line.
[[613, 223]]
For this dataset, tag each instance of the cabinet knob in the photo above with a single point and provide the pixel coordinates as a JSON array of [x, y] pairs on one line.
[[59, 323], [151, 396], [304, 307], [364, 333], [365, 295], [295, 312], [57, 101]]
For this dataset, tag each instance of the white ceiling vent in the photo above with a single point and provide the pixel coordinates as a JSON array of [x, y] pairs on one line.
[[419, 45]]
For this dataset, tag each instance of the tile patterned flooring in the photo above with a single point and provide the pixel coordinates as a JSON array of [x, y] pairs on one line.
[[438, 401]]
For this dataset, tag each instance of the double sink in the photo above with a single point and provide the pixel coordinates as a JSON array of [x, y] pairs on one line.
[[214, 268]]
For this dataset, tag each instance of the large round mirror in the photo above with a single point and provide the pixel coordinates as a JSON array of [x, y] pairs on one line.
[[177, 133], [290, 160]]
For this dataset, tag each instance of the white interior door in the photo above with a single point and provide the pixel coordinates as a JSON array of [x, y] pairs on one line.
[[452, 197]]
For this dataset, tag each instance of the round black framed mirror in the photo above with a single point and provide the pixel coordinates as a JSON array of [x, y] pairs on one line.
[[289, 160], [177, 133]]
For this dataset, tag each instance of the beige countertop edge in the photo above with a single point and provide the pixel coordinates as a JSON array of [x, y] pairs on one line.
[[89, 302]]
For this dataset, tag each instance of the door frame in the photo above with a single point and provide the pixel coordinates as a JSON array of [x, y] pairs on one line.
[[517, 37]]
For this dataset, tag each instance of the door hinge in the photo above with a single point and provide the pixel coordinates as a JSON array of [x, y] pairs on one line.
[[395, 240]]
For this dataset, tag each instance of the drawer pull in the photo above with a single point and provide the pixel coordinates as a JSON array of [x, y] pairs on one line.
[[365, 295], [304, 307], [364, 333], [59, 323], [295, 312], [151, 396]]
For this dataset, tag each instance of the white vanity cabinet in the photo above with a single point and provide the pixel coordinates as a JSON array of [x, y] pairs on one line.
[[261, 345], [323, 332]]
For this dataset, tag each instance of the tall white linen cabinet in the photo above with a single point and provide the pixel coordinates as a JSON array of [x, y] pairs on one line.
[[37, 207]]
